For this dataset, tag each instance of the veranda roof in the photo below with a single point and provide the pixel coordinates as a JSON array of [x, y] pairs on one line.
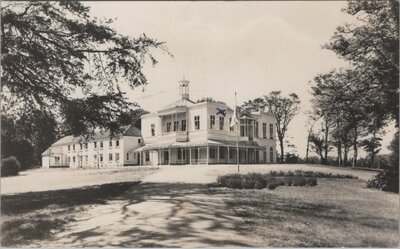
[[198, 143]]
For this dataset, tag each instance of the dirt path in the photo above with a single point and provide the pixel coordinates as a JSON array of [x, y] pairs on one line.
[[157, 215], [209, 173]]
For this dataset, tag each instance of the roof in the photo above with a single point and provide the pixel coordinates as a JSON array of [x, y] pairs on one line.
[[197, 143], [127, 130], [52, 151], [184, 102]]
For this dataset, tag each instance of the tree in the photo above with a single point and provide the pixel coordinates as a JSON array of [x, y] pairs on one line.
[[12, 145], [55, 52], [39, 128], [388, 180], [371, 146], [283, 108], [372, 48], [133, 117]]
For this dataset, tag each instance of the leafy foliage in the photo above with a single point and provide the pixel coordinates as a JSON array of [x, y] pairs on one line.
[[9, 167], [284, 109], [55, 52], [388, 180]]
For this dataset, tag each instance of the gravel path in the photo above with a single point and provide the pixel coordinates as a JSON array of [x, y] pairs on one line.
[[56, 179], [209, 173]]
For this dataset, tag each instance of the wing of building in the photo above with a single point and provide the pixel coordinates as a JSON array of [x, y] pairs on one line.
[[186, 132], [183, 132], [99, 151]]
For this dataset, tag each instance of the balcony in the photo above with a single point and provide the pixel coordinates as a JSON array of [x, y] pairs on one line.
[[182, 136]]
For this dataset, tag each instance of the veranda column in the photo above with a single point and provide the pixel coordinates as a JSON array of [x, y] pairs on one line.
[[198, 155], [228, 155], [217, 154], [169, 156], [208, 155], [190, 156]]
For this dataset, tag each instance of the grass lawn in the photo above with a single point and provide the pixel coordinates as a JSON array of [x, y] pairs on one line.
[[335, 213]]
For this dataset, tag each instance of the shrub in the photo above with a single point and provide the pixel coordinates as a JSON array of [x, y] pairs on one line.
[[9, 166], [312, 181], [272, 185], [299, 181]]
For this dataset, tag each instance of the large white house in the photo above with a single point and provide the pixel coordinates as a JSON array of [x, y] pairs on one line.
[[186, 132], [99, 151], [183, 132]]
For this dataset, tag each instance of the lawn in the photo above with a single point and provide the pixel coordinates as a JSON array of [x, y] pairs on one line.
[[103, 208], [335, 213]]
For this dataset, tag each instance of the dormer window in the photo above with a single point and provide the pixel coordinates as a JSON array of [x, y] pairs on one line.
[[212, 121], [153, 130]]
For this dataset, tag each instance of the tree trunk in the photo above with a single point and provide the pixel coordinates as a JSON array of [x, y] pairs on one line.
[[326, 142], [345, 158], [373, 149], [355, 148], [308, 146], [281, 145], [339, 153]]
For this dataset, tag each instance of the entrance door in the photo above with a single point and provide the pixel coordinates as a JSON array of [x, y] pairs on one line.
[[166, 157]]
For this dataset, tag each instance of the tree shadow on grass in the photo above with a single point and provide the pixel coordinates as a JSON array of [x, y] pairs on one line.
[[37, 215], [124, 215]]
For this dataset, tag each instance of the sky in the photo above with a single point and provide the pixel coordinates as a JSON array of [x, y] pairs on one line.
[[251, 48]]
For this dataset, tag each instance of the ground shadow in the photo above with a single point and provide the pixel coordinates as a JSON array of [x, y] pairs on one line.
[[35, 215], [124, 215]]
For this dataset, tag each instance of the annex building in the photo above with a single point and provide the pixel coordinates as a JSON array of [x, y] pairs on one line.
[[183, 132]]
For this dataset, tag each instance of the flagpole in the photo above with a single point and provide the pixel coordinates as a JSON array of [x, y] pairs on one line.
[[237, 136]]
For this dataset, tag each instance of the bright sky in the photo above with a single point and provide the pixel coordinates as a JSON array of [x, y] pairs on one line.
[[222, 47]]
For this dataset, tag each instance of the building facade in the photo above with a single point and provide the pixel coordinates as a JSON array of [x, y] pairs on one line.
[[186, 132], [100, 151]]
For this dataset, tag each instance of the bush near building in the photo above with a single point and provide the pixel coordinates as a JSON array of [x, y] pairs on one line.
[[9, 167]]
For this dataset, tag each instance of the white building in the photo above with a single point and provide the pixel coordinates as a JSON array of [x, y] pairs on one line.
[[185, 132], [97, 152]]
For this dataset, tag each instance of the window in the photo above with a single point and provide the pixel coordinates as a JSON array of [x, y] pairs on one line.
[[230, 122], [80, 145], [101, 157], [110, 157], [221, 123], [80, 159], [212, 153], [73, 159], [181, 154], [95, 158], [271, 155], [242, 128], [176, 124], [127, 156], [168, 126], [197, 122], [57, 159], [69, 147], [73, 147], [95, 145], [134, 156], [153, 130], [117, 143], [221, 153], [117, 157], [183, 125], [147, 156], [86, 158], [212, 121], [256, 130], [139, 141], [271, 131], [101, 145], [86, 146], [264, 130], [69, 159], [110, 143]]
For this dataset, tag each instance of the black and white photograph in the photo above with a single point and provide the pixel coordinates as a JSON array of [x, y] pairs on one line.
[[187, 124]]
